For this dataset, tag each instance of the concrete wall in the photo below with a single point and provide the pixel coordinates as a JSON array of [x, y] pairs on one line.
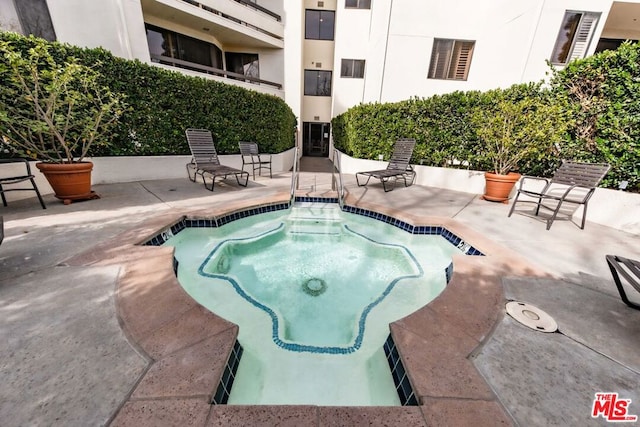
[[109, 170], [613, 208]]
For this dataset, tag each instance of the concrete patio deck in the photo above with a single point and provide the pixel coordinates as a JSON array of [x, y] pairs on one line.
[[66, 359]]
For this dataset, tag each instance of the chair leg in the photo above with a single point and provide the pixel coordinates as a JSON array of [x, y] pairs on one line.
[[191, 166], [4, 199], [513, 206], [358, 181], [35, 188], [584, 215], [384, 184], [555, 214], [246, 181], [611, 261]]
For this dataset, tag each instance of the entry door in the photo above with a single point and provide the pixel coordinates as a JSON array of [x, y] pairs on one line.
[[315, 140]]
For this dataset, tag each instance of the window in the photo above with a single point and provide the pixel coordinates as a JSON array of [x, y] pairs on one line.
[[318, 24], [574, 36], [246, 64], [352, 68], [357, 4], [177, 46], [317, 83], [451, 59]]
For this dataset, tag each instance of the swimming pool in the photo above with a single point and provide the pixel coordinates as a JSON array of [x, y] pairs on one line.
[[297, 350]]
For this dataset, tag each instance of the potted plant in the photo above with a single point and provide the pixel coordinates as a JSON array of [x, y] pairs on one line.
[[512, 130], [54, 113]]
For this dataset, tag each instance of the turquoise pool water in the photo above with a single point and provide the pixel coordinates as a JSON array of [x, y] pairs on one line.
[[313, 290]]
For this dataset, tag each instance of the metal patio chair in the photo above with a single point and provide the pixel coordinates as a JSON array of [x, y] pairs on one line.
[[251, 156], [572, 182], [205, 159], [629, 269], [398, 166], [16, 179]]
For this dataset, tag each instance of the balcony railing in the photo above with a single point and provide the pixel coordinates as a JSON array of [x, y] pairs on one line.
[[211, 70], [255, 6], [236, 20]]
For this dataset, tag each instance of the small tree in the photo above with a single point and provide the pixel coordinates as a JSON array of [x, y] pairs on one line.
[[511, 130], [53, 112]]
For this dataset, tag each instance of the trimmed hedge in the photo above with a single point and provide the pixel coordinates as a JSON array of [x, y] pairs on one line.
[[163, 103], [600, 95]]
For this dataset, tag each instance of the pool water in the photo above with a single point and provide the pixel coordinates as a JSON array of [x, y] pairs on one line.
[[313, 290]]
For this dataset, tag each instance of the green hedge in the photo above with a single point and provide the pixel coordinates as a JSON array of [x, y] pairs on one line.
[[600, 96], [162, 104]]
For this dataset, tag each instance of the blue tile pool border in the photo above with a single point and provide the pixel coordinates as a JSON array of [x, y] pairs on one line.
[[228, 376], [399, 374], [437, 230], [401, 380]]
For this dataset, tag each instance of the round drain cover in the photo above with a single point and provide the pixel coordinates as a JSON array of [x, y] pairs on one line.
[[531, 316]]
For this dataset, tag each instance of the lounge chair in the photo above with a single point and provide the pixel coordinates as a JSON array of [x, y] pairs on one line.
[[626, 268], [205, 159], [16, 179], [251, 156], [572, 182], [398, 166]]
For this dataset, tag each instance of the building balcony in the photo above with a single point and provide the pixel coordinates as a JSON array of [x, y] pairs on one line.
[[232, 22]]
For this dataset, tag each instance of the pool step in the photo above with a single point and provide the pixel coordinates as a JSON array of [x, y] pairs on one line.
[[314, 218], [310, 225]]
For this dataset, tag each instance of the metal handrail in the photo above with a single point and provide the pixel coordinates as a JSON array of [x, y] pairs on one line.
[[260, 8], [167, 60], [338, 167], [294, 174]]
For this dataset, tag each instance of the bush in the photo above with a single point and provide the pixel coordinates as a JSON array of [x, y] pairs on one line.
[[163, 103], [603, 91]]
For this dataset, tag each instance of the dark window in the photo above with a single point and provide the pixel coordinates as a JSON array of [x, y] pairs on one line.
[[451, 59], [574, 36], [319, 24], [35, 18], [317, 83], [352, 68], [178, 46], [611, 44], [358, 4], [243, 63]]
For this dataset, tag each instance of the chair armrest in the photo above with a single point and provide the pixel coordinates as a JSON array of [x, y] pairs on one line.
[[524, 178]]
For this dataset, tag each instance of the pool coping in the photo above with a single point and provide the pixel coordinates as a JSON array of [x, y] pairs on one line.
[[186, 346]]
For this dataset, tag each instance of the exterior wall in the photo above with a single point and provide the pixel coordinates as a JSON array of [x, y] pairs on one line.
[[514, 39], [9, 17], [294, 36], [115, 25]]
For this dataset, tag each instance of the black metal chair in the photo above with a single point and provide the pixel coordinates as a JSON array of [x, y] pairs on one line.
[[630, 270], [398, 166], [251, 156], [16, 179], [1, 229], [205, 159], [572, 182]]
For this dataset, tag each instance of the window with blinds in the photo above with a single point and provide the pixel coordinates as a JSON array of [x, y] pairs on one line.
[[451, 59], [574, 36]]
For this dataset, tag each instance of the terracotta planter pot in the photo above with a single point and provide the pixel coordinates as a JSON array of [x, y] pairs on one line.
[[70, 181], [498, 187]]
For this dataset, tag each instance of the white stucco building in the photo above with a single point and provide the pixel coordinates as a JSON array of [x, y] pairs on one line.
[[324, 56]]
